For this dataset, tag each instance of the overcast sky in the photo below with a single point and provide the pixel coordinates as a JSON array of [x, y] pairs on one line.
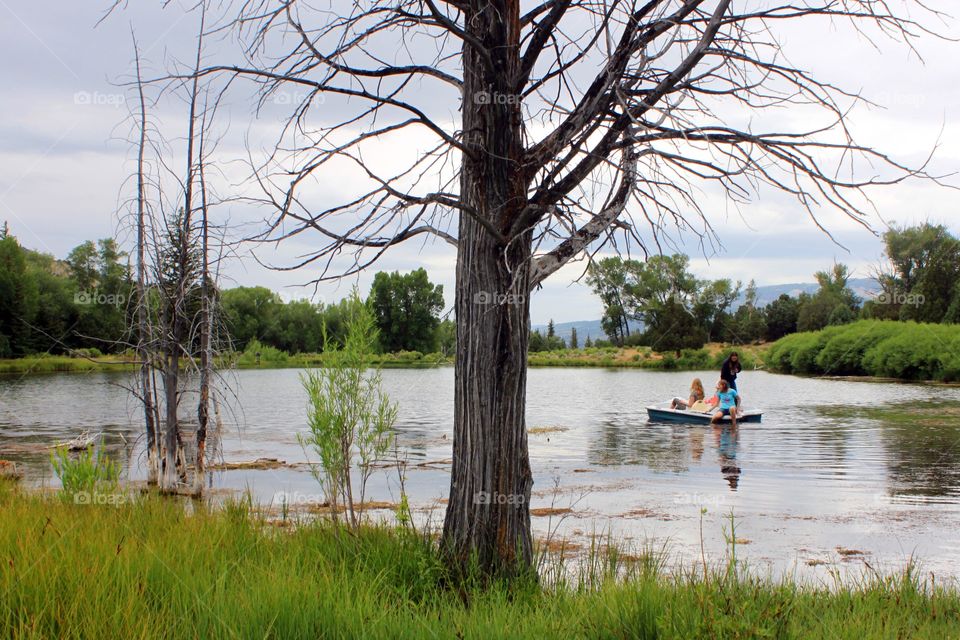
[[64, 156]]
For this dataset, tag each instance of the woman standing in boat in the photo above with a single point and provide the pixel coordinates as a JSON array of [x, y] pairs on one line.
[[731, 367]]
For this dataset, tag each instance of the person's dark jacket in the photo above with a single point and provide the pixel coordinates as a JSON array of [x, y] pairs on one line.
[[729, 371]]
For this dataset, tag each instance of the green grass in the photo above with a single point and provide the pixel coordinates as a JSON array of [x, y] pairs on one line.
[[270, 358], [52, 364], [645, 358], [152, 568]]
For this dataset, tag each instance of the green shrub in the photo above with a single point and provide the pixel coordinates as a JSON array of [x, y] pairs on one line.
[[884, 348], [694, 359], [267, 353], [91, 352], [350, 418], [843, 353], [84, 473], [912, 354]]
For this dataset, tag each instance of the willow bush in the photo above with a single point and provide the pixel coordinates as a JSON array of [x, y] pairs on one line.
[[882, 348]]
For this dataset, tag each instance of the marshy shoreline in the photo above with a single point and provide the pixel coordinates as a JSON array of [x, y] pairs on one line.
[[129, 568]]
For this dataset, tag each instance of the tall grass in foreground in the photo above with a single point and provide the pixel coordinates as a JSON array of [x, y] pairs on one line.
[[150, 569]]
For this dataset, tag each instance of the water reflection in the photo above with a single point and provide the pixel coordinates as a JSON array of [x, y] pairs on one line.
[[728, 437], [903, 440], [658, 447]]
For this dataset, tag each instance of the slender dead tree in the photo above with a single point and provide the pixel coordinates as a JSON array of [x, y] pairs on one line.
[[529, 136], [146, 390], [178, 314], [175, 317], [206, 326]]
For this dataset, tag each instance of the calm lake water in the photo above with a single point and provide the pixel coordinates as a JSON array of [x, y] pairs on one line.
[[838, 474]]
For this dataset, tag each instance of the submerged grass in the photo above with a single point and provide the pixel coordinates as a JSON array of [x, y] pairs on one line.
[[151, 568]]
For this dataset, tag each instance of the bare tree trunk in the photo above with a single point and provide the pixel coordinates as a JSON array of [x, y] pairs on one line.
[[488, 513], [143, 324], [171, 378], [206, 328], [174, 468]]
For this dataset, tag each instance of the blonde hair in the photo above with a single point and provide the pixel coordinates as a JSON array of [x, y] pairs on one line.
[[696, 388]]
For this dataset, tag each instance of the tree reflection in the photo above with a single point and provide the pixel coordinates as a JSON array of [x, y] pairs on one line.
[[659, 447], [922, 446]]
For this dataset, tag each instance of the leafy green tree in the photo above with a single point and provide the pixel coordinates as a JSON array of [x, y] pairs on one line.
[[922, 285], [85, 266], [537, 342], [659, 281], [56, 314], [748, 324], [350, 418], [671, 327], [447, 336], [662, 292], [711, 304], [781, 316], [251, 313], [299, 327], [18, 299], [407, 310], [608, 278], [541, 342], [816, 311], [573, 338]]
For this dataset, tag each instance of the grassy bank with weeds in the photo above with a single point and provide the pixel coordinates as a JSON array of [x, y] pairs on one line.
[[709, 357], [151, 568], [65, 364], [880, 348]]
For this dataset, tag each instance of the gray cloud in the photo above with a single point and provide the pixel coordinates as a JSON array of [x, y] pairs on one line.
[[63, 158]]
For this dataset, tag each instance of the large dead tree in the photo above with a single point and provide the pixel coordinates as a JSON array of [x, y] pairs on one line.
[[526, 137]]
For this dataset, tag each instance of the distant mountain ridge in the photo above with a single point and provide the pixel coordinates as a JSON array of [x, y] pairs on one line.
[[584, 329], [866, 288]]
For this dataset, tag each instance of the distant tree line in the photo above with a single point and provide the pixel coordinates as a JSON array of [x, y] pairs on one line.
[[406, 307], [50, 305], [84, 303], [918, 281]]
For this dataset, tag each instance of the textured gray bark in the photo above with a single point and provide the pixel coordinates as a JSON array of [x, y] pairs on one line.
[[488, 514]]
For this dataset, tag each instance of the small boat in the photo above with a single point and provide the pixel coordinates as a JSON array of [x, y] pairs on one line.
[[664, 413]]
